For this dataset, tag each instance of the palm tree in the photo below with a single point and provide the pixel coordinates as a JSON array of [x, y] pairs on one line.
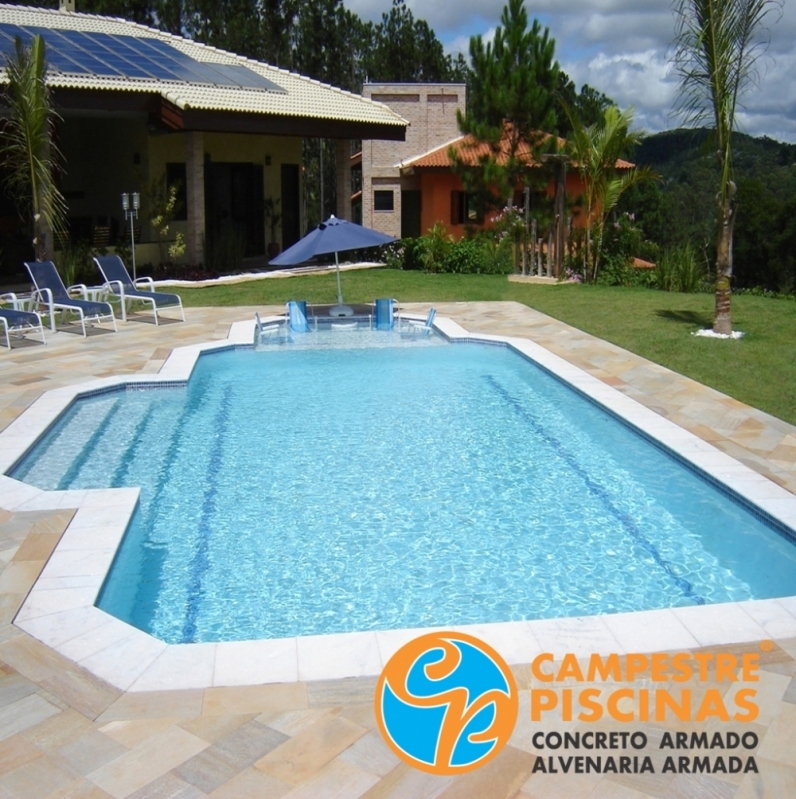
[[28, 150], [718, 43], [595, 151]]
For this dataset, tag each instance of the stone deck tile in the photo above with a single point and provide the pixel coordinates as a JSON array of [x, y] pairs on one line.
[[252, 784], [235, 752], [146, 762], [296, 760], [135, 745], [16, 752]]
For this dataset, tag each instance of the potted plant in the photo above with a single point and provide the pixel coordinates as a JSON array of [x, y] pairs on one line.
[[272, 219]]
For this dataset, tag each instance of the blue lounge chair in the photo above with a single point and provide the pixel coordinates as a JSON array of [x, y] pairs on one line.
[[118, 280], [20, 321], [51, 292], [414, 327]]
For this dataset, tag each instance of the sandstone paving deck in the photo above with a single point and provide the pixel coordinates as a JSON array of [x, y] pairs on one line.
[[64, 733]]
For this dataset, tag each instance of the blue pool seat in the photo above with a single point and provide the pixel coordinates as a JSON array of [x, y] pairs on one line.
[[385, 314], [297, 316]]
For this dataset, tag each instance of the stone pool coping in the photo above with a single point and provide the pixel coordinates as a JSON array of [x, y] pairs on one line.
[[59, 610]]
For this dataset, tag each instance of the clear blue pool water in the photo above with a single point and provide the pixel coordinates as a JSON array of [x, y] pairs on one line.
[[302, 491]]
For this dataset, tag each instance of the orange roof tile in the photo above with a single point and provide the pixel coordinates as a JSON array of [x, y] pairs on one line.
[[470, 151]]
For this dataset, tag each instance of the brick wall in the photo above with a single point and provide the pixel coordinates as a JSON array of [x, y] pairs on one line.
[[430, 110]]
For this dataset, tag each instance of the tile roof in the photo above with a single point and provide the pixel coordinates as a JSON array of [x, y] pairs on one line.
[[470, 151], [302, 96]]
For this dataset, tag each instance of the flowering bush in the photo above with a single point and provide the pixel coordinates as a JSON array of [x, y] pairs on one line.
[[509, 223], [163, 207]]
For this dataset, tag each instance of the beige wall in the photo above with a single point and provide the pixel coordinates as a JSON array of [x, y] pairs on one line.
[[101, 156], [430, 110], [231, 147]]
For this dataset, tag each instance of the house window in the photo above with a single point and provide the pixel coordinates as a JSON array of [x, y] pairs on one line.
[[383, 201], [464, 209]]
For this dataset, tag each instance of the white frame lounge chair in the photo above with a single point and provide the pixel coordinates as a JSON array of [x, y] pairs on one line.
[[14, 318], [119, 282], [414, 327], [51, 292]]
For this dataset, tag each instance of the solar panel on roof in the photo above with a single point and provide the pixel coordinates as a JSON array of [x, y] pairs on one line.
[[139, 57]]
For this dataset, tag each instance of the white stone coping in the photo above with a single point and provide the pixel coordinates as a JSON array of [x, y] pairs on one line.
[[59, 610], [246, 277]]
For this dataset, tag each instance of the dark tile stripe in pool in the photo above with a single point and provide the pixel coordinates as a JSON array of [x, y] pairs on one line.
[[748, 505], [596, 490], [199, 563]]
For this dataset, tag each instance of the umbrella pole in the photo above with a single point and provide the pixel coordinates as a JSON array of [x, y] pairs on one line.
[[339, 309], [339, 290]]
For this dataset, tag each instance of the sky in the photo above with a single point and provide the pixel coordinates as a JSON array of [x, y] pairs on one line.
[[621, 47]]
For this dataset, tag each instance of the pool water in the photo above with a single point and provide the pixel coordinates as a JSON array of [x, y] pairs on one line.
[[302, 491]]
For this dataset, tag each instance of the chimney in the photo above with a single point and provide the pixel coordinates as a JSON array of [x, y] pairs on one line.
[[66, 5]]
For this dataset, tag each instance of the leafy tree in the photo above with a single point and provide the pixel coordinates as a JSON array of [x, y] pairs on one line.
[[718, 43], [594, 150], [29, 152], [406, 50], [783, 246], [142, 11], [589, 104], [511, 107]]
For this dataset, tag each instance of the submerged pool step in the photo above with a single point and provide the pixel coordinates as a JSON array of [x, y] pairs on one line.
[[104, 453], [62, 454]]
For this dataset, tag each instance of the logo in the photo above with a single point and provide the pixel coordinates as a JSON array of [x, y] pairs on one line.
[[446, 703]]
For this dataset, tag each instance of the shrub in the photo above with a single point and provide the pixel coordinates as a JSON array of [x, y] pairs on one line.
[[413, 254], [435, 247], [393, 254], [617, 271], [497, 255], [75, 264], [465, 257], [681, 269], [623, 241]]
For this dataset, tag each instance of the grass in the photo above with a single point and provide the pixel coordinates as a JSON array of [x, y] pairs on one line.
[[759, 370]]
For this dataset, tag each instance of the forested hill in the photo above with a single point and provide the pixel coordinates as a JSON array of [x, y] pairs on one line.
[[674, 154], [682, 206]]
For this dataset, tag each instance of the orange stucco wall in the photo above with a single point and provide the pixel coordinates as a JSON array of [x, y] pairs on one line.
[[436, 188]]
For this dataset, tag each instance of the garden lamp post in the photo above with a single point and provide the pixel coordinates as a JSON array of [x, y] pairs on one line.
[[130, 214]]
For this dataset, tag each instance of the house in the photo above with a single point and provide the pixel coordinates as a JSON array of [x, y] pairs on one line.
[[389, 200], [409, 186], [137, 104]]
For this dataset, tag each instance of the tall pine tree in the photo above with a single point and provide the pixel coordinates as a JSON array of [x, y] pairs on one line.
[[512, 105]]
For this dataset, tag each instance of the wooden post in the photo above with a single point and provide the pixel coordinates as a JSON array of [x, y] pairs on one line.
[[557, 237], [533, 246], [550, 252], [540, 256], [527, 197], [561, 210]]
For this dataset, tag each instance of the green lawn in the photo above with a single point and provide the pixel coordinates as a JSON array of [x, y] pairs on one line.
[[759, 370]]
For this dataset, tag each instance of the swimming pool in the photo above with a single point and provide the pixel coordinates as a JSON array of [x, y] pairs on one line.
[[520, 499]]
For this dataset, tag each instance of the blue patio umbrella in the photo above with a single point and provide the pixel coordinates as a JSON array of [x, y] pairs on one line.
[[332, 236]]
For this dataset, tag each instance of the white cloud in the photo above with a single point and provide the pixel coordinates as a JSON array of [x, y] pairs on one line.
[[638, 79], [620, 47]]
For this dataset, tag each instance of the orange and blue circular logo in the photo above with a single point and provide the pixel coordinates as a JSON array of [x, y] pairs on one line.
[[446, 703]]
